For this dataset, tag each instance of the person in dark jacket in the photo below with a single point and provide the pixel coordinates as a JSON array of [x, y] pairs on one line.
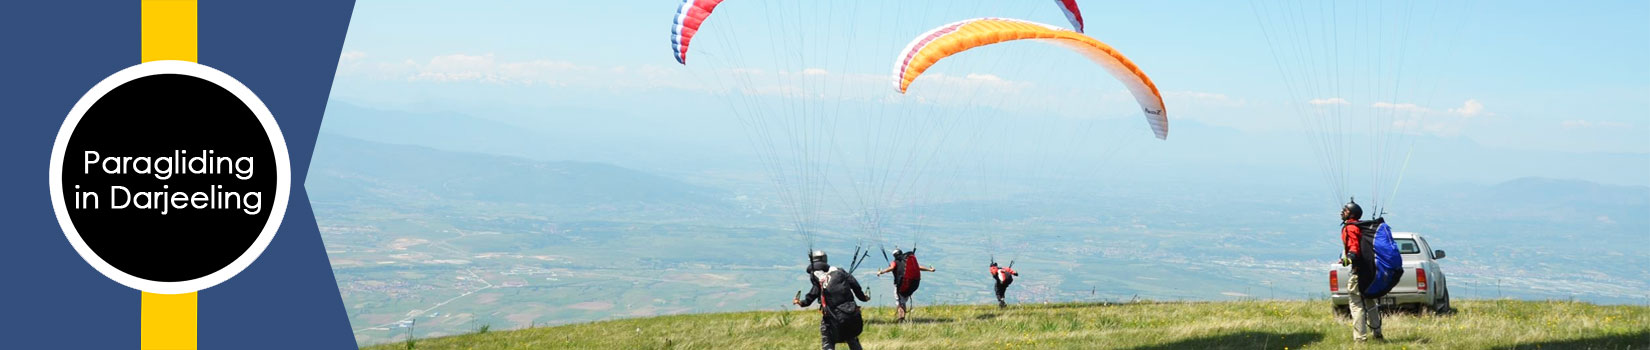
[[1366, 313], [835, 290]]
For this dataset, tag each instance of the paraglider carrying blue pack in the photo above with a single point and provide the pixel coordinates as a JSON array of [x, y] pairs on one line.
[[1381, 264]]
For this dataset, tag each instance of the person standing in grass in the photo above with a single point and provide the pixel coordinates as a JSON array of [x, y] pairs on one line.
[[1366, 313], [1003, 276], [835, 289], [907, 276]]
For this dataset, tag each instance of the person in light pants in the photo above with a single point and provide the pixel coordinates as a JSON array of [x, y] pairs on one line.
[[1366, 313]]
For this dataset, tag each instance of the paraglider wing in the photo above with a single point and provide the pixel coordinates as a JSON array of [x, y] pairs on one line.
[[688, 18], [947, 40], [1072, 13]]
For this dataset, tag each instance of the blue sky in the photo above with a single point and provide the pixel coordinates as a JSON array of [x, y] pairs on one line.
[[1517, 75]]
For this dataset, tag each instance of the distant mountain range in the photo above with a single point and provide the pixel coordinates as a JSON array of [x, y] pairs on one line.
[[1536, 191], [448, 131], [346, 169], [580, 135], [716, 143]]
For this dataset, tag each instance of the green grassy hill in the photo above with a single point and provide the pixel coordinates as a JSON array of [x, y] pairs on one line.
[[1478, 324]]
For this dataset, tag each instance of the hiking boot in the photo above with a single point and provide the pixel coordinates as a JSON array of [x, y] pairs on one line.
[[1001, 304], [1379, 337]]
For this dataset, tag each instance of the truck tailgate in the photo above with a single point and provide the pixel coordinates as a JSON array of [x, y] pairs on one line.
[[1406, 284]]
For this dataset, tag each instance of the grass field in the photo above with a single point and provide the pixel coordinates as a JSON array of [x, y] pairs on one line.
[[1477, 324]]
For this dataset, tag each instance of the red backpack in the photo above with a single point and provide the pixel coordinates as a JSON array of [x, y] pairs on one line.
[[910, 275]]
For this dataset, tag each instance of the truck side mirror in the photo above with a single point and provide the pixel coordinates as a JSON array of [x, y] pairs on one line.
[[1438, 254]]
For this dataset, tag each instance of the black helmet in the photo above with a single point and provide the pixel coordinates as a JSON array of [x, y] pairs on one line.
[[1353, 211], [817, 256], [818, 266], [993, 264], [898, 252]]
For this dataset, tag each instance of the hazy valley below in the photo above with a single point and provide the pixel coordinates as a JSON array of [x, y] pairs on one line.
[[454, 238]]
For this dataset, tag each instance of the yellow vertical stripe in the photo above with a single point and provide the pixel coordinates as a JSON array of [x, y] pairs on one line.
[[169, 321], [169, 30], [169, 33]]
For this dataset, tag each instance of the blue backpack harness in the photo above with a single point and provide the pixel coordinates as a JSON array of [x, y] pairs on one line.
[[1380, 265]]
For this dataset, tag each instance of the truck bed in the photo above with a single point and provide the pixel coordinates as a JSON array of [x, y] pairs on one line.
[[1404, 293]]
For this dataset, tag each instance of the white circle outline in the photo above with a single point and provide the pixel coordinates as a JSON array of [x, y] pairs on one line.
[[283, 173]]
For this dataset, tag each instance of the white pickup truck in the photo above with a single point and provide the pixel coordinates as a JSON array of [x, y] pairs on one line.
[[1422, 286]]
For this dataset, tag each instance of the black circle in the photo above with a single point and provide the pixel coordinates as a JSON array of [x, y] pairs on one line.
[[168, 116]]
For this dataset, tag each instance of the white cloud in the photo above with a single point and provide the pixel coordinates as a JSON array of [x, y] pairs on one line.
[[814, 71], [457, 67], [971, 88], [983, 77], [352, 55], [1470, 108], [1328, 101], [1433, 126], [1412, 118], [351, 62]]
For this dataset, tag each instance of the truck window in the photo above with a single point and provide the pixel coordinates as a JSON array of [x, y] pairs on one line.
[[1428, 250], [1407, 246]]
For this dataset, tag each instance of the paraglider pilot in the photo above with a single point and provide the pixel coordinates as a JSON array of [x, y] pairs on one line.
[[907, 276], [835, 289], [1366, 315], [1003, 276]]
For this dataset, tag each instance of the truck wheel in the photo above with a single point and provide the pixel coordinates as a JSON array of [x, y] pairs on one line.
[[1442, 305], [1342, 311]]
